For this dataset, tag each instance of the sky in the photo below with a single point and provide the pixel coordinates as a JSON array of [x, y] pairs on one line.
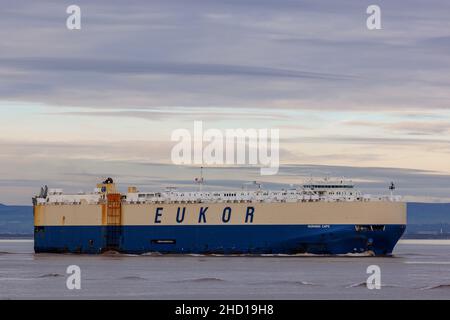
[[79, 105]]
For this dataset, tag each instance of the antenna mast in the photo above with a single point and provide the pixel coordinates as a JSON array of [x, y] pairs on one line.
[[200, 180], [392, 188]]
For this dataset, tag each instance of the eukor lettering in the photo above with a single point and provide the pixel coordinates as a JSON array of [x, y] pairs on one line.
[[247, 215], [202, 215], [226, 215], [180, 219], [158, 215]]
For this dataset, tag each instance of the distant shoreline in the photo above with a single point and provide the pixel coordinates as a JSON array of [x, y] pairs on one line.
[[16, 236], [425, 241]]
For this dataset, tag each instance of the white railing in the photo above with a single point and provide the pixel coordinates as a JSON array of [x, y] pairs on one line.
[[241, 196]]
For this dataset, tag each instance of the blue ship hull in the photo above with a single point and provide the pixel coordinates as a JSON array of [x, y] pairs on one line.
[[218, 239]]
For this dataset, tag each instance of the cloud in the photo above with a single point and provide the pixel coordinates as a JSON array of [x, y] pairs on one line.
[[368, 140], [232, 54], [179, 113], [408, 127], [57, 64], [362, 98]]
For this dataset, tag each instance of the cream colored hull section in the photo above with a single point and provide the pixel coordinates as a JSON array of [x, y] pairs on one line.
[[323, 213]]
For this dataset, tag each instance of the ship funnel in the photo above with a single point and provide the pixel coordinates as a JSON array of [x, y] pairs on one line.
[[107, 186], [108, 181]]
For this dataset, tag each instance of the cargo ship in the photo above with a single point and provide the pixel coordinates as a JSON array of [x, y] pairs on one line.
[[323, 217]]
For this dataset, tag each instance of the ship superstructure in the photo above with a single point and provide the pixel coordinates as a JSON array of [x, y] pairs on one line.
[[313, 191]]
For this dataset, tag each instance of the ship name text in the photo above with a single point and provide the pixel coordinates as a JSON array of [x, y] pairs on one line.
[[202, 214]]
